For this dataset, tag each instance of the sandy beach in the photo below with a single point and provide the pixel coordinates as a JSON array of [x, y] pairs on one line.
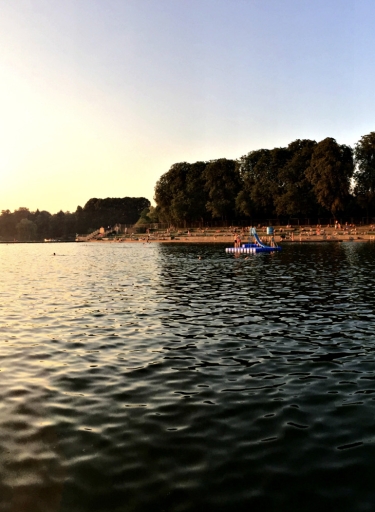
[[225, 235]]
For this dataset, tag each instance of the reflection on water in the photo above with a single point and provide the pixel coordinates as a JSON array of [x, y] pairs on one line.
[[143, 377]]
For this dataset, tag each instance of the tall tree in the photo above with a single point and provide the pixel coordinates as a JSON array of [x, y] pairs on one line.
[[171, 195], [249, 201], [58, 225], [43, 221], [27, 230], [21, 213], [260, 177], [296, 196], [364, 174], [222, 184], [330, 174], [196, 191], [80, 220], [180, 193], [7, 224], [113, 210]]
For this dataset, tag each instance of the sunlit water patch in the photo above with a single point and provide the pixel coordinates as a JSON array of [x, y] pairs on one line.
[[140, 377]]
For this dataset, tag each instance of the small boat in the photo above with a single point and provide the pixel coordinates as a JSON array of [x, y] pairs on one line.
[[257, 245]]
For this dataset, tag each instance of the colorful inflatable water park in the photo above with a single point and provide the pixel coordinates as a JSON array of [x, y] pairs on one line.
[[255, 244]]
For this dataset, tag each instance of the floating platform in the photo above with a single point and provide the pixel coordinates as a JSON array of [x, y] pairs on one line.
[[258, 246], [248, 250]]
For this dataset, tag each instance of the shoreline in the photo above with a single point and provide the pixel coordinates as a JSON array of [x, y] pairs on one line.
[[282, 235], [229, 239]]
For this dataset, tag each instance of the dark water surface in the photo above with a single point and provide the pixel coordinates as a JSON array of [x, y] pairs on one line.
[[142, 378]]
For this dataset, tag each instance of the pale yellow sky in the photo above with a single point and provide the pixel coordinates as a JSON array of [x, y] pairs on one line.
[[63, 140]]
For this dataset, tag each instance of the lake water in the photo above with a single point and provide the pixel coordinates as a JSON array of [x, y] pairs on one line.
[[141, 378]]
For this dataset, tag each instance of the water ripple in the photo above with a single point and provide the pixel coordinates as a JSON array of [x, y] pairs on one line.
[[138, 377]]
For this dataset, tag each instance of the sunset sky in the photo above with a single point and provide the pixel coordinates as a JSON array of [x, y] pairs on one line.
[[98, 98]]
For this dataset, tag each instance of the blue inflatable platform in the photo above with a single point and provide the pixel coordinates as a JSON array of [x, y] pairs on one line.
[[256, 247]]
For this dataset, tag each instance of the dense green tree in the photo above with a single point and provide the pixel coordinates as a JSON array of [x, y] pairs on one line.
[[43, 221], [163, 196], [260, 177], [95, 214], [70, 225], [180, 193], [21, 213], [272, 181], [148, 216], [222, 182], [113, 210], [9, 222], [295, 196], [153, 214], [244, 205], [26, 230], [7, 225], [171, 194], [179, 208], [58, 225], [196, 191], [247, 199], [364, 174], [80, 216], [330, 174]]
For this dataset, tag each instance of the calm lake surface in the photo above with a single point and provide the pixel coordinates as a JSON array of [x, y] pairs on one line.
[[141, 378]]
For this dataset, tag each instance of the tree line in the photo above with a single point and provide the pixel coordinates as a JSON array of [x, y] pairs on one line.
[[22, 224], [304, 179]]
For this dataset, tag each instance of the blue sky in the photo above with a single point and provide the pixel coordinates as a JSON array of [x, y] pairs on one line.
[[98, 98]]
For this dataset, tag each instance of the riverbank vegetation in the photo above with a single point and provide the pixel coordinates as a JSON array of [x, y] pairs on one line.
[[22, 224], [306, 179], [306, 182]]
